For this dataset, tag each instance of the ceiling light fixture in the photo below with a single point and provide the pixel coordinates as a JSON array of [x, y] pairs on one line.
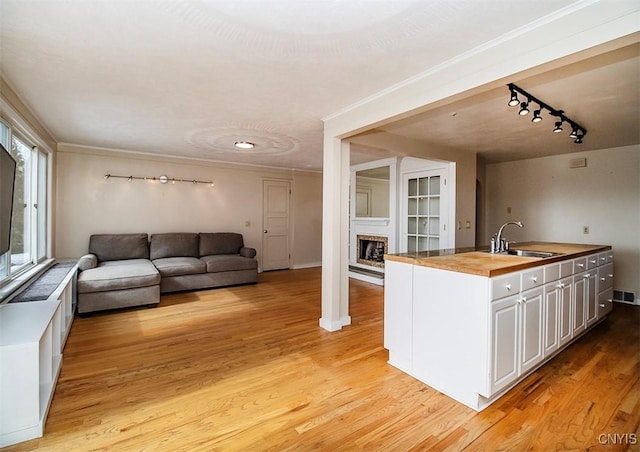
[[524, 109], [577, 131], [244, 145], [514, 99], [536, 116]]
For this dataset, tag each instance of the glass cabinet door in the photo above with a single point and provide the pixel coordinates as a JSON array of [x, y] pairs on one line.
[[423, 212]]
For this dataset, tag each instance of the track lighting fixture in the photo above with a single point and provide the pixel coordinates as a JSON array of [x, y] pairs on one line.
[[577, 131], [162, 179]]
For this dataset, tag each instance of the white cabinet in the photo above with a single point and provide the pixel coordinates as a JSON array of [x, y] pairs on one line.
[[504, 342], [32, 337], [473, 337], [531, 305], [516, 332]]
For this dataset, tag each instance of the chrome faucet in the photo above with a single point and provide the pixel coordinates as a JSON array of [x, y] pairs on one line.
[[498, 244]]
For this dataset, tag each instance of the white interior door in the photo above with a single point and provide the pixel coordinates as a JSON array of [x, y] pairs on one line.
[[276, 253], [425, 211]]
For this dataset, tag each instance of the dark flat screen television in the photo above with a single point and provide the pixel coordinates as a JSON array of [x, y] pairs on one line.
[[7, 181]]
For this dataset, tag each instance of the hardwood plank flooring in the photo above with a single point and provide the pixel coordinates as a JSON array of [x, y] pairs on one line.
[[248, 368]]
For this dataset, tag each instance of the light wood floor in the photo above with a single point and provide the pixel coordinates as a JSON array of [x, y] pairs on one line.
[[247, 368]]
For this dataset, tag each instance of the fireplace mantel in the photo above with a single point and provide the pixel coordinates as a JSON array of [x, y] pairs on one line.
[[371, 221]]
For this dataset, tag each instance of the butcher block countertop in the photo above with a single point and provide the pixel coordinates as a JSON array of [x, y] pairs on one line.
[[478, 261]]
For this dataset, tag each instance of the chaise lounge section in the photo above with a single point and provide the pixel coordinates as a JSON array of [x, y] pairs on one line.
[[124, 270], [117, 273]]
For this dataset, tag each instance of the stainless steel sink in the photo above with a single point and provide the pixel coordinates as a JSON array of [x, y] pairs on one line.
[[531, 253]]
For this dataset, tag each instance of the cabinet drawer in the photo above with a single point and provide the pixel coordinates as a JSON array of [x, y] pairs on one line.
[[605, 303], [532, 278], [566, 269], [592, 261], [605, 277], [579, 265], [551, 272], [503, 286]]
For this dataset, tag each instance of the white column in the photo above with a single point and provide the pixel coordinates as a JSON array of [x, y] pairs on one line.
[[335, 235]]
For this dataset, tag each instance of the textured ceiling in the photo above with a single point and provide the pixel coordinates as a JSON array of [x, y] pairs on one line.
[[190, 78]]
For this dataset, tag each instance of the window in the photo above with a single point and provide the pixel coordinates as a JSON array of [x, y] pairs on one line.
[[29, 220]]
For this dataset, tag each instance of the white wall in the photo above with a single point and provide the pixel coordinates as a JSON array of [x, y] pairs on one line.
[[88, 204], [555, 202]]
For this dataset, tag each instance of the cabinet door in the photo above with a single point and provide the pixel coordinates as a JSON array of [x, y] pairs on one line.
[[590, 297], [531, 314], [504, 342], [552, 296], [578, 305], [565, 304]]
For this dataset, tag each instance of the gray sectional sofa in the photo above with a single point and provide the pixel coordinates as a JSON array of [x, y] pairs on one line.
[[124, 270]]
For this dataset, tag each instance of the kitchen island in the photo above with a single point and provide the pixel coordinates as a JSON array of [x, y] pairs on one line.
[[472, 324]]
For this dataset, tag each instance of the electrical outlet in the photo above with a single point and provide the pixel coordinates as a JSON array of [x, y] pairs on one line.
[[585, 229]]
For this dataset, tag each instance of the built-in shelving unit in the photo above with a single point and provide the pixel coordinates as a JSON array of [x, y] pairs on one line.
[[32, 338]]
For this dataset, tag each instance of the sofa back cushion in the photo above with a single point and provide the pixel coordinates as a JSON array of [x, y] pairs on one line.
[[220, 243], [175, 244], [114, 247]]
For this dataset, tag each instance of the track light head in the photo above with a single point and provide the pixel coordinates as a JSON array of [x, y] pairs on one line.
[[574, 133], [524, 109], [536, 116], [558, 127], [579, 137], [514, 99]]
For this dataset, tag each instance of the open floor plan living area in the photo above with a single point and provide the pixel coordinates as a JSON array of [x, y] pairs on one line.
[[290, 225]]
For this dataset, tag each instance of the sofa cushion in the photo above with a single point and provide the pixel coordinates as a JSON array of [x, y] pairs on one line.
[[117, 275], [220, 243], [177, 266], [228, 262], [114, 247], [176, 244]]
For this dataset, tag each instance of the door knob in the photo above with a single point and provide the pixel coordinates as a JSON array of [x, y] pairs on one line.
[[265, 231]]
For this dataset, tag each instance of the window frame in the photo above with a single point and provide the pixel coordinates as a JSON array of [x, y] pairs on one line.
[[39, 204]]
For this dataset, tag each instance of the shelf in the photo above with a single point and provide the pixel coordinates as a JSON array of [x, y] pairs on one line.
[[32, 337]]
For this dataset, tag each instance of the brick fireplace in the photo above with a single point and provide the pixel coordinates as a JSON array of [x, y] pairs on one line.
[[370, 250]]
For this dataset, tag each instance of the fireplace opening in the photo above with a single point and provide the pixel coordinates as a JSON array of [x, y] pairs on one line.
[[371, 250]]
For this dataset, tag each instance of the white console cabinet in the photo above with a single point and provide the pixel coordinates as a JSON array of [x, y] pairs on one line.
[[32, 337]]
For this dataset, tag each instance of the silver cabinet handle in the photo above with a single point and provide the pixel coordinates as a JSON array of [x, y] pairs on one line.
[[602, 306], [508, 286], [580, 265], [588, 275], [602, 279], [535, 279]]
